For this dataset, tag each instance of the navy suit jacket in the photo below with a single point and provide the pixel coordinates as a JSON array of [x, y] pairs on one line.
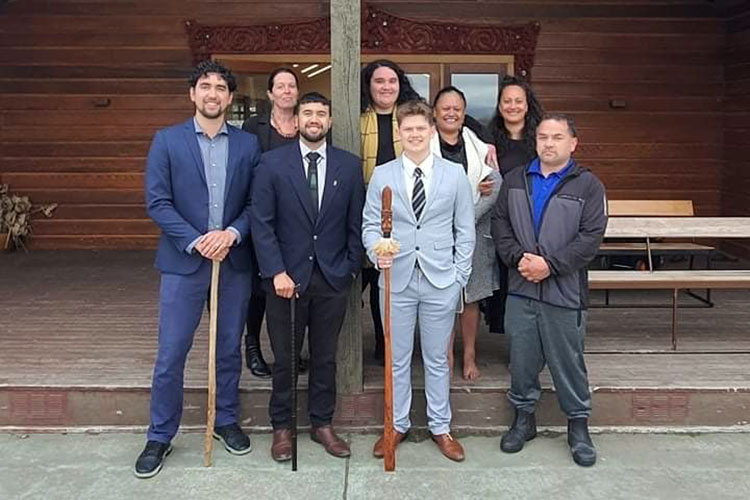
[[286, 234], [177, 195]]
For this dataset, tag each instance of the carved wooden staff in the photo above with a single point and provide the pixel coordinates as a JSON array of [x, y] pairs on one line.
[[213, 313], [389, 437]]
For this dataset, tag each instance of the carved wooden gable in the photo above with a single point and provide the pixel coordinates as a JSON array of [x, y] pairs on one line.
[[382, 33]]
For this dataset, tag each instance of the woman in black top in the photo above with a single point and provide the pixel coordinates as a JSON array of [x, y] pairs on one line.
[[514, 124], [514, 130], [274, 129]]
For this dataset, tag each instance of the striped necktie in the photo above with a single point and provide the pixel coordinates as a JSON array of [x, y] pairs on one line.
[[418, 198]]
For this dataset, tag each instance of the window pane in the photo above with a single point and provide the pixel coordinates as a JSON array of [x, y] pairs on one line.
[[480, 90], [421, 83]]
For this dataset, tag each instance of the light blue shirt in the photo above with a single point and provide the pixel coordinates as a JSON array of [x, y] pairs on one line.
[[215, 155]]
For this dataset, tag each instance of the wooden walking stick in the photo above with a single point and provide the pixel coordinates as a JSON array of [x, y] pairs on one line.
[[387, 246], [293, 337], [213, 313]]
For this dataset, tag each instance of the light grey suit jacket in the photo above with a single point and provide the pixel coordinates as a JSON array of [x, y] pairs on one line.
[[442, 241]]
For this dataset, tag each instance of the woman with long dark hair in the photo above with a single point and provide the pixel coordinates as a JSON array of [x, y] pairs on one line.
[[514, 125]]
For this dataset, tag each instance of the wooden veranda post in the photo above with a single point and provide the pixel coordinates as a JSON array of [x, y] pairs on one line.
[[345, 57]]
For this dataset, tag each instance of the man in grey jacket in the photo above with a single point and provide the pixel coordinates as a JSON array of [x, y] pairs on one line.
[[547, 225]]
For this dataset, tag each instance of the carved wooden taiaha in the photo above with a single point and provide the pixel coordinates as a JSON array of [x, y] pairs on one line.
[[389, 436], [213, 313]]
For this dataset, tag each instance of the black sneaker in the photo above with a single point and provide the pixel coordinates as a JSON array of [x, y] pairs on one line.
[[234, 440], [151, 459]]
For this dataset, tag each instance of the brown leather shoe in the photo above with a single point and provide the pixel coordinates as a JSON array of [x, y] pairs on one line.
[[449, 447], [281, 448], [378, 451], [330, 441]]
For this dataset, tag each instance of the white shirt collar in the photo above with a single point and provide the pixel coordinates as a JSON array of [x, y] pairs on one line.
[[321, 150], [425, 166]]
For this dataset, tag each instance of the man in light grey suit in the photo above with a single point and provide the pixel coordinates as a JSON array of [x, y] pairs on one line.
[[433, 220]]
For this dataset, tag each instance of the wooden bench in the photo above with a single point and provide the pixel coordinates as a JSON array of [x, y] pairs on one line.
[[650, 208], [654, 208], [648, 228]]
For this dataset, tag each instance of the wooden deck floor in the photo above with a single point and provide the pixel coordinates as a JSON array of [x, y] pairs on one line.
[[87, 320]]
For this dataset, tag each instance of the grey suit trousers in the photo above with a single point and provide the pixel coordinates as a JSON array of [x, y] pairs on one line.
[[435, 309]]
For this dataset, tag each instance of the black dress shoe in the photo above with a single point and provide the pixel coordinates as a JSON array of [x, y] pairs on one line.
[[522, 430], [234, 440], [581, 446], [151, 459], [256, 363]]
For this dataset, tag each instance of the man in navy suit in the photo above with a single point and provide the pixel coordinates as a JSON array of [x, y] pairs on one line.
[[306, 226], [198, 181]]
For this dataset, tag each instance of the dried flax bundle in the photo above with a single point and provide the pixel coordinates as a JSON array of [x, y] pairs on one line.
[[15, 217]]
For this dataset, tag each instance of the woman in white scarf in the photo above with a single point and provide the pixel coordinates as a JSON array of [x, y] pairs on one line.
[[457, 143]]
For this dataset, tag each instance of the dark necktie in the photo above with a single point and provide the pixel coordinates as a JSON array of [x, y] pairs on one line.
[[418, 198], [312, 179]]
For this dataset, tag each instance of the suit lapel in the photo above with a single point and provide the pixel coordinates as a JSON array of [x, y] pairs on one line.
[[332, 182], [192, 144], [233, 157], [398, 181], [435, 183], [299, 181]]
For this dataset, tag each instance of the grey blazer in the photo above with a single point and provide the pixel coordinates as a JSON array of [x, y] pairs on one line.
[[442, 241]]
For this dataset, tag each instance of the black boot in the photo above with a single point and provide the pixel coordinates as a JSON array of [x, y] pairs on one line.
[[581, 446], [522, 430], [254, 359]]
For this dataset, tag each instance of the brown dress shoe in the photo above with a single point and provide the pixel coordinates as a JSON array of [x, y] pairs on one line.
[[378, 451], [330, 441], [449, 447], [281, 448]]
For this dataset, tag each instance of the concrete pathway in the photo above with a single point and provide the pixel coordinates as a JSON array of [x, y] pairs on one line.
[[630, 466]]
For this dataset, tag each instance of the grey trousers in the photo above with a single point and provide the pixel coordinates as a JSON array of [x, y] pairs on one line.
[[542, 333], [435, 309]]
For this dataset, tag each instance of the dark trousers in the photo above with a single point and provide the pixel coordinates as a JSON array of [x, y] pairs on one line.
[[181, 302], [255, 310], [321, 310], [542, 334], [370, 276], [495, 310]]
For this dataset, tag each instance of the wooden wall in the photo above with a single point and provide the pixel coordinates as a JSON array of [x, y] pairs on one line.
[[736, 181], [84, 84]]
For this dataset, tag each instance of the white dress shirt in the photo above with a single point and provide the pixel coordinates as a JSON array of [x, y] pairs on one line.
[[322, 163], [409, 167]]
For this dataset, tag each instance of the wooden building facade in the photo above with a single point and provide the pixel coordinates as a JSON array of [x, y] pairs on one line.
[[660, 91]]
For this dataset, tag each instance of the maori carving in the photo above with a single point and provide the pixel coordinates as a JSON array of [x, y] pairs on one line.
[[382, 33]]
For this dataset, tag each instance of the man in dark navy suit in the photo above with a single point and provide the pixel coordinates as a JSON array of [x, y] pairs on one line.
[[306, 226], [198, 184]]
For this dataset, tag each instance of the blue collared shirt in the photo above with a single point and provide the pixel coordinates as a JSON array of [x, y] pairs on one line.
[[215, 155], [542, 188]]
